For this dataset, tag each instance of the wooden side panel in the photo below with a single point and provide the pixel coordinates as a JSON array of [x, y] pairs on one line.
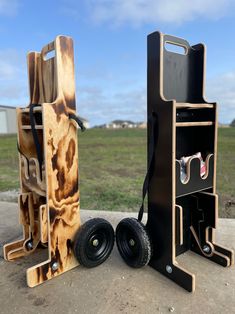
[[65, 69], [17, 249], [34, 203], [61, 161], [33, 77], [179, 225], [43, 85], [48, 76], [43, 224], [49, 203]]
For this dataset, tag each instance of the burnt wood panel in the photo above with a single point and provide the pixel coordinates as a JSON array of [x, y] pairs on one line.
[[49, 199]]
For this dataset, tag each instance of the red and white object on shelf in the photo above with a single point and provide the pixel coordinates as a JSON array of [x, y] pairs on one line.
[[184, 163]]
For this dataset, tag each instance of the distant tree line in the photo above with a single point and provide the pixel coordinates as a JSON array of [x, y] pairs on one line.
[[232, 123]]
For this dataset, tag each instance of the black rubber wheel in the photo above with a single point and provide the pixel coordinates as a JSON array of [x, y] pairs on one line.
[[133, 242], [94, 242]]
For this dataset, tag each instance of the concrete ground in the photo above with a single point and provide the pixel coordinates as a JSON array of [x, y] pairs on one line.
[[114, 287]]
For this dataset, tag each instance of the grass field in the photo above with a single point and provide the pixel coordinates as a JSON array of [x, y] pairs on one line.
[[113, 165]]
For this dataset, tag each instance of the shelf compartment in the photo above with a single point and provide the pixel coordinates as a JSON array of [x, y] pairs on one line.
[[31, 176], [35, 109], [24, 117], [194, 139], [194, 182], [183, 209], [197, 210], [195, 115]]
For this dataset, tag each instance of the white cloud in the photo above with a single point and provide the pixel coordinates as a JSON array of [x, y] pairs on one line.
[[138, 12], [9, 61], [101, 106], [9, 7], [222, 90], [13, 77]]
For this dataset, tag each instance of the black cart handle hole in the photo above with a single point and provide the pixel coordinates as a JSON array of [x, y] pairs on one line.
[[176, 48]]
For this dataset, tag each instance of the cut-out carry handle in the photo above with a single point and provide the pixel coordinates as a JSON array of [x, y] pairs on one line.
[[51, 79], [49, 55], [172, 43], [175, 48], [48, 51]]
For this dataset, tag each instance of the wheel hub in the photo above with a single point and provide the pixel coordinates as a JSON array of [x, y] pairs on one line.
[[95, 242], [132, 242]]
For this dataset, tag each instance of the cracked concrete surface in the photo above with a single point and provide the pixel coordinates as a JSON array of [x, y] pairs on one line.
[[114, 287]]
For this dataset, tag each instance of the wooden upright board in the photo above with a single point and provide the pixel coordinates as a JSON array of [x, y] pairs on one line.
[[49, 199]]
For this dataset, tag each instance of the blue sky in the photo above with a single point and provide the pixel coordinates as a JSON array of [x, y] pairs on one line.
[[110, 49]]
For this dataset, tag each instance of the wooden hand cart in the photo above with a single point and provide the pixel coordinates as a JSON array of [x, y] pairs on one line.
[[48, 158], [181, 215]]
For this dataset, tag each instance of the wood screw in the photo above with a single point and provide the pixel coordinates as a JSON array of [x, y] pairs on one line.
[[206, 249], [54, 266], [169, 269]]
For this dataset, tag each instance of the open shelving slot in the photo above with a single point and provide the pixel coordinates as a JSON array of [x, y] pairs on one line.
[[187, 117], [194, 181], [193, 212], [195, 115], [32, 172], [34, 175], [195, 139], [189, 142], [24, 118]]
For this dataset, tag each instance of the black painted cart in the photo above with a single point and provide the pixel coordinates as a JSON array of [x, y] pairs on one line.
[[182, 214]]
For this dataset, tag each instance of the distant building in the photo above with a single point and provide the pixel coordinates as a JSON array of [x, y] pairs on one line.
[[142, 125], [7, 120], [121, 124]]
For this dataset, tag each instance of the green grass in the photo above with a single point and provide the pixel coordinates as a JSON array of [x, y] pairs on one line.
[[112, 167], [8, 163], [226, 170]]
